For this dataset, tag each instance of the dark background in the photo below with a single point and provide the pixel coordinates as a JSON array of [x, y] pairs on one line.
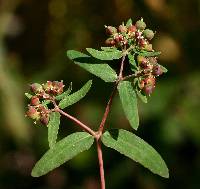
[[34, 37]]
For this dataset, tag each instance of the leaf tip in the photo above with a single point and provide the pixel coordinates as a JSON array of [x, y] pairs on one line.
[[69, 54], [90, 82], [165, 174], [34, 173]]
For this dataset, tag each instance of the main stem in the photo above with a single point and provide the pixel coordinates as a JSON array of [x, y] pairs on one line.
[[102, 125], [101, 167]]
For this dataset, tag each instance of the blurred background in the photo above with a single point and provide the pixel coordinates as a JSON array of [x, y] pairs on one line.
[[34, 37]]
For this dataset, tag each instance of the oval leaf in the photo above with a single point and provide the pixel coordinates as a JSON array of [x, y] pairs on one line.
[[164, 69], [63, 151], [105, 55], [108, 48], [75, 97], [129, 103], [53, 127], [137, 149], [129, 22], [132, 62], [98, 68]]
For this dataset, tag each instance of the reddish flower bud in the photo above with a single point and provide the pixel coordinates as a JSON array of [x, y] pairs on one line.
[[118, 38], [43, 110], [125, 41], [57, 87], [137, 34], [33, 113], [142, 42], [132, 28], [36, 88], [35, 101], [110, 30], [44, 120], [110, 42], [48, 86], [157, 70], [150, 81], [142, 61], [140, 24], [148, 89], [148, 34], [149, 85], [122, 29], [153, 60]]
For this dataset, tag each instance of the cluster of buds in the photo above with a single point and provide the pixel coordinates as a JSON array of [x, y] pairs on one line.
[[38, 113], [36, 109], [132, 35], [149, 69], [49, 88]]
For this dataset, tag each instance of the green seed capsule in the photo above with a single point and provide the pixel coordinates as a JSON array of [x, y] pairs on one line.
[[122, 29], [140, 25], [36, 88], [33, 113], [110, 30], [148, 34]]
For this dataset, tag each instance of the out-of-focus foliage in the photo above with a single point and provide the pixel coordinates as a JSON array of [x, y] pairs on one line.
[[34, 37]]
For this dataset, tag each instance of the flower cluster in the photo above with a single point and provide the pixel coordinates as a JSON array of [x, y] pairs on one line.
[[37, 109], [130, 35], [149, 69], [135, 39]]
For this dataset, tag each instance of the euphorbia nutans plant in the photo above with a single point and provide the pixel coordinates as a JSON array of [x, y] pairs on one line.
[[128, 45]]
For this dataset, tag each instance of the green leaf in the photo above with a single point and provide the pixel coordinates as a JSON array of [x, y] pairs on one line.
[[164, 69], [142, 97], [75, 97], [129, 22], [129, 103], [62, 151], [132, 60], [105, 55], [45, 102], [137, 149], [53, 127], [108, 48], [94, 66], [29, 96], [65, 94]]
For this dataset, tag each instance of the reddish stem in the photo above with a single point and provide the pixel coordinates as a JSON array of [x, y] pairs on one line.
[[121, 69], [101, 167], [101, 127], [98, 134], [107, 110], [82, 125]]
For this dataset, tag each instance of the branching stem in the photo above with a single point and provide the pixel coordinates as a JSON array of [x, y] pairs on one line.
[[97, 134], [102, 125], [82, 125], [107, 110]]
